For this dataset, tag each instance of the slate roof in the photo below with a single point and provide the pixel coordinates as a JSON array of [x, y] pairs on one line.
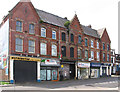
[[56, 20], [89, 31], [51, 18]]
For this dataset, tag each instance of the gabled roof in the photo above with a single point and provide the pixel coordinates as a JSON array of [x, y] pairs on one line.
[[56, 20], [51, 18], [101, 31], [89, 31], [59, 21]]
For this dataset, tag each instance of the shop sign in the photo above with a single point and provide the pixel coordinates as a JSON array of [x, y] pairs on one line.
[[50, 62], [106, 64], [25, 58], [95, 64], [80, 64]]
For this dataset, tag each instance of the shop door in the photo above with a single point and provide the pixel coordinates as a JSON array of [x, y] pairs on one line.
[[72, 71], [104, 71], [48, 75], [54, 74]]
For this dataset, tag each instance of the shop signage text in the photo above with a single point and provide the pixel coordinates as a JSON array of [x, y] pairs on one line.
[[80, 64], [50, 62], [25, 58], [95, 64]]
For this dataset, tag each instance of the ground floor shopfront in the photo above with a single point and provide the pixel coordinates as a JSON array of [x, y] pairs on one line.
[[67, 70], [49, 70], [118, 68], [113, 71], [95, 70], [83, 70], [24, 69], [27, 69], [106, 69]]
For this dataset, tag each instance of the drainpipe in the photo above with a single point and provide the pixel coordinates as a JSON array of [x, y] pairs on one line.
[[59, 40], [59, 52]]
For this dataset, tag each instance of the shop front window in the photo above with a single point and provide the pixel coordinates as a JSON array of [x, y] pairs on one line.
[[48, 74], [54, 74], [84, 73], [43, 74], [94, 73]]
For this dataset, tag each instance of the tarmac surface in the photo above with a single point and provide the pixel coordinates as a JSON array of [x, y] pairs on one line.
[[104, 83]]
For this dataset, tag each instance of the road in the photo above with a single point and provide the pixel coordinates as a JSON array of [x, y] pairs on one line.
[[104, 83]]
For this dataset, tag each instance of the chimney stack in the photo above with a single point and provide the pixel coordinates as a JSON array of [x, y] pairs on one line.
[[89, 26]]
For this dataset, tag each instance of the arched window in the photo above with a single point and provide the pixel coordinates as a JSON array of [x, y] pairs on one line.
[[79, 53], [71, 52], [54, 50], [63, 36], [63, 50], [31, 28], [72, 38], [79, 39], [43, 49]]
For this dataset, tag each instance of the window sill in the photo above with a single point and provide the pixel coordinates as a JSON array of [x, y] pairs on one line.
[[43, 37], [54, 56], [63, 41], [31, 52], [31, 33], [19, 31], [53, 38], [19, 51]]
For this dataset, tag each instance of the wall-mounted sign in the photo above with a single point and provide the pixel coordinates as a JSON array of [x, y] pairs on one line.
[[106, 64], [25, 58], [81, 64], [50, 62], [95, 64]]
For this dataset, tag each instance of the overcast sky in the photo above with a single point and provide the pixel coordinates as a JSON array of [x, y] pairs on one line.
[[98, 13]]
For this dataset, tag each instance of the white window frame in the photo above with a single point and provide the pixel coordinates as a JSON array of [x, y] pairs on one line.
[[108, 59], [92, 55], [103, 56], [19, 45], [98, 56], [31, 30], [19, 26], [92, 44], [43, 30], [31, 46], [108, 48], [53, 33], [43, 49], [79, 53], [86, 54], [54, 50], [97, 45]]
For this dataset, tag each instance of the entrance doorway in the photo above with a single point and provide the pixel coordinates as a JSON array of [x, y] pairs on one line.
[[49, 74], [72, 71]]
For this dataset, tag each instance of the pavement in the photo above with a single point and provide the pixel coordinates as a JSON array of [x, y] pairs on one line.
[[103, 83]]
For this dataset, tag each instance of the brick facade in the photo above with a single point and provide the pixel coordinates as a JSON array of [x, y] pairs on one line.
[[26, 13]]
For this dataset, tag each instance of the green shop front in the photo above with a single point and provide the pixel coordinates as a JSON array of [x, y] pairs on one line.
[[49, 70]]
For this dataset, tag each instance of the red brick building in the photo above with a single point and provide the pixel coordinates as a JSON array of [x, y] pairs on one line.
[[37, 38]]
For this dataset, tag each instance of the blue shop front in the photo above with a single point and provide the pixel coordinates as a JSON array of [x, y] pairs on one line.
[[95, 70]]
